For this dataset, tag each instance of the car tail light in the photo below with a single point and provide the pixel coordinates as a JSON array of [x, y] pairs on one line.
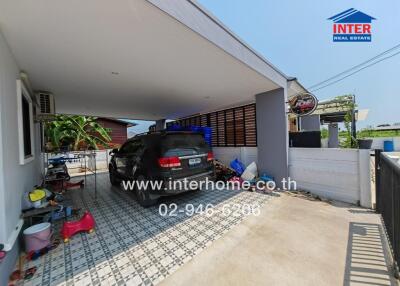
[[210, 156], [168, 162]]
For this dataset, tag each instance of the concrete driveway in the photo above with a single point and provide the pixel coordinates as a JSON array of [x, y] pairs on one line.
[[295, 241]]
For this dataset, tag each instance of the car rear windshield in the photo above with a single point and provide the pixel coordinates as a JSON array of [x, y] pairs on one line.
[[183, 145]]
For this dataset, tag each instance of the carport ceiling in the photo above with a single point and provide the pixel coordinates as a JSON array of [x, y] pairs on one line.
[[123, 59]]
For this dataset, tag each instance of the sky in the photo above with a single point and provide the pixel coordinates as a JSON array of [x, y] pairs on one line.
[[296, 37]]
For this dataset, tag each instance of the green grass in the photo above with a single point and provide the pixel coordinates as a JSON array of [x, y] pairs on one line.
[[373, 133]]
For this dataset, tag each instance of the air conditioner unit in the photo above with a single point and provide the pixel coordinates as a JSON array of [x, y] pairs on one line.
[[45, 110]]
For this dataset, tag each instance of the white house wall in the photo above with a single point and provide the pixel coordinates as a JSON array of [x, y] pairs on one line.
[[15, 179], [246, 155]]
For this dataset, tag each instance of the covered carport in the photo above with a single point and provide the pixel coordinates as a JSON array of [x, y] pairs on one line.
[[145, 60], [138, 59]]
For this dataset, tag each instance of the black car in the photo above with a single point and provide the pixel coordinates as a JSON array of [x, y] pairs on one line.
[[161, 157]]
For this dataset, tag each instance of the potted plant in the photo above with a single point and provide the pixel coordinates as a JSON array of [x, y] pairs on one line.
[[363, 143], [363, 138]]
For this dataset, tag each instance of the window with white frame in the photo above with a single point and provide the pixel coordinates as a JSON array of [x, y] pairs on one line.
[[25, 124]]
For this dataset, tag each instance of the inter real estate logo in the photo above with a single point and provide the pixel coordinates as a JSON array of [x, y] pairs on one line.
[[352, 26]]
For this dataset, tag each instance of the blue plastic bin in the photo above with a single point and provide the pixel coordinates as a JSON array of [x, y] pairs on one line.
[[388, 146], [175, 127], [238, 166], [207, 131], [196, 128]]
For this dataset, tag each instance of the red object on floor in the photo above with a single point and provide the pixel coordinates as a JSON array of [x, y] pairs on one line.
[[69, 185], [59, 186], [16, 275], [2, 255], [70, 228]]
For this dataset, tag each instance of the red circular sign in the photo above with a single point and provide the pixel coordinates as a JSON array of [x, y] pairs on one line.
[[303, 104]]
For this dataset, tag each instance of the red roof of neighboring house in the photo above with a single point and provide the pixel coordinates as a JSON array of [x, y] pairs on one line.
[[118, 129], [128, 124]]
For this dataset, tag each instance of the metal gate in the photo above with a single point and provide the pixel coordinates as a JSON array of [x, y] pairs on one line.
[[387, 180]]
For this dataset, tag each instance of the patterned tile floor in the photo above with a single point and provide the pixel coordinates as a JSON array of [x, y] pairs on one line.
[[133, 245]]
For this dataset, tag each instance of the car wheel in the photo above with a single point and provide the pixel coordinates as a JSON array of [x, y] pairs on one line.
[[113, 180], [142, 195]]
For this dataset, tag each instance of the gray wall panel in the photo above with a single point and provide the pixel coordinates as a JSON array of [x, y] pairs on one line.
[[272, 133]]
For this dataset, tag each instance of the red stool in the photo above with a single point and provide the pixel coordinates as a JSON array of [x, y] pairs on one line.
[[70, 228]]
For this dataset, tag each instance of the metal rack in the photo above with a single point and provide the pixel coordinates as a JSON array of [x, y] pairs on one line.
[[85, 158]]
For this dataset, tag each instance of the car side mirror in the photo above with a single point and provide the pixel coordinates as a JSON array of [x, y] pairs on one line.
[[113, 151]]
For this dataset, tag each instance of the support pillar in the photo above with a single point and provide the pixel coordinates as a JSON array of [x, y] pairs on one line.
[[333, 131], [160, 124], [272, 134]]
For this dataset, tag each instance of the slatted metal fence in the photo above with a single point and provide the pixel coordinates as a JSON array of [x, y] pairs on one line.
[[233, 127], [387, 180]]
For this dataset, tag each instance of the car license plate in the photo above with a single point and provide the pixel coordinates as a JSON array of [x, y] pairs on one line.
[[194, 161]]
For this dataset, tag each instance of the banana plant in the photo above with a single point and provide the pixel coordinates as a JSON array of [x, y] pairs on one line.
[[78, 130]]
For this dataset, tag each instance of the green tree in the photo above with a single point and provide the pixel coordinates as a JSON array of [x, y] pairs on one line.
[[348, 105], [76, 130], [324, 133]]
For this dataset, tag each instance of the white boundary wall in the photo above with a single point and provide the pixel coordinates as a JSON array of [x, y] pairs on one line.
[[339, 174], [246, 155]]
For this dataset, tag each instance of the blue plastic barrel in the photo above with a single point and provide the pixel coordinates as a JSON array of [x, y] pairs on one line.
[[174, 127], [196, 128], [388, 146], [207, 131]]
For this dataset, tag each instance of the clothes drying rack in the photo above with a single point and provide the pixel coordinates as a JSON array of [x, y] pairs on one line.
[[86, 160]]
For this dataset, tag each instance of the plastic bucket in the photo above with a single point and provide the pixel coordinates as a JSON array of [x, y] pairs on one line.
[[37, 236], [388, 146]]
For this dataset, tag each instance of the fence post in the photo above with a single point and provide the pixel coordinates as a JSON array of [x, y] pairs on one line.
[[394, 226], [377, 179], [364, 169]]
